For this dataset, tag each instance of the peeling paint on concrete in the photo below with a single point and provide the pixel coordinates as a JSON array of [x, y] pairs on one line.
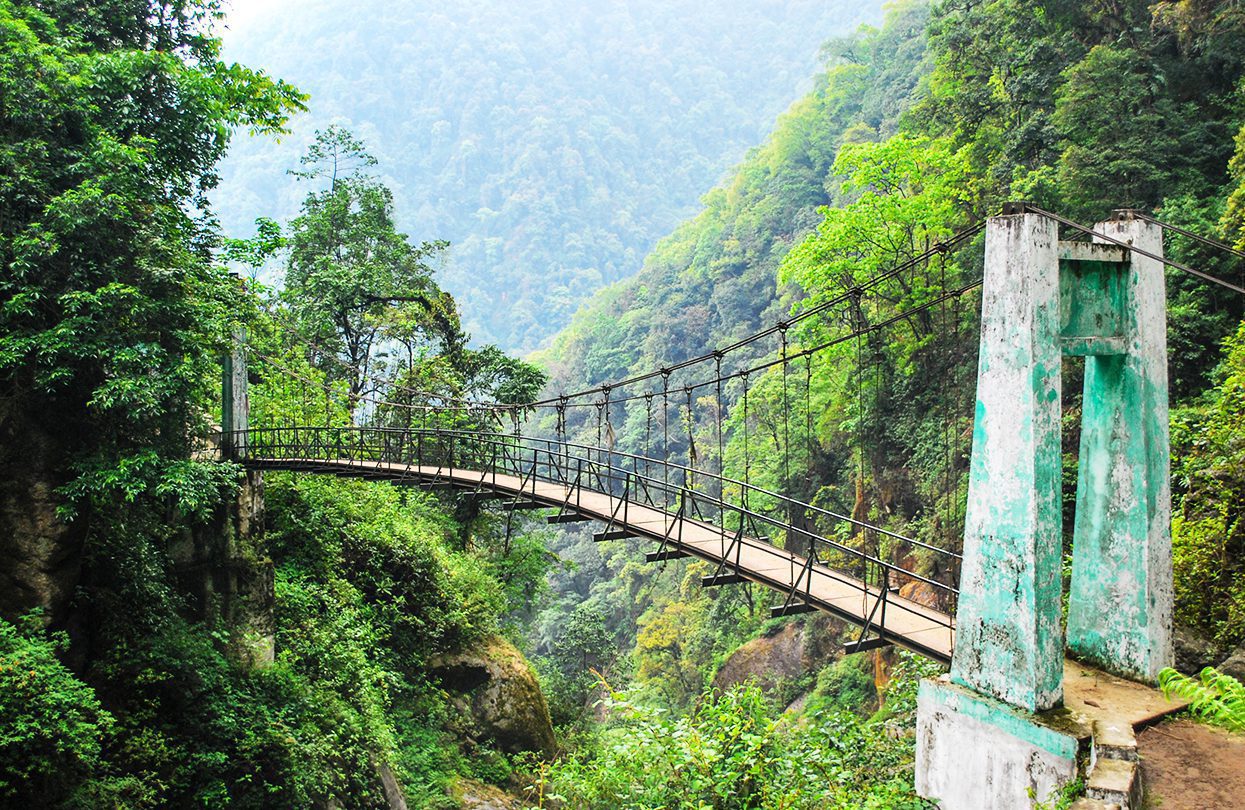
[[1008, 641], [974, 752], [990, 735], [1120, 605]]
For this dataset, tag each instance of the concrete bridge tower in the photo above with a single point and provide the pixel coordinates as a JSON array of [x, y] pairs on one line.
[[992, 733], [235, 411]]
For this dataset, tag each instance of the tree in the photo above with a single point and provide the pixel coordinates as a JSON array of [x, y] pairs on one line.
[[114, 118], [1105, 165], [906, 194], [353, 280]]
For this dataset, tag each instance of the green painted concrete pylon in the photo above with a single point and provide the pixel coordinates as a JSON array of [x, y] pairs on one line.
[[235, 412], [1008, 640], [1120, 604]]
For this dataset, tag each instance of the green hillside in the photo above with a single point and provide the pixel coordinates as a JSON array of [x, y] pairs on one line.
[[551, 142], [913, 132]]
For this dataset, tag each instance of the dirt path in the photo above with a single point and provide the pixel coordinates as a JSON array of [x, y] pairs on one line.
[[1189, 766]]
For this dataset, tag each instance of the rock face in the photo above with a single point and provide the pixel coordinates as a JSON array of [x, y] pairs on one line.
[[40, 556], [923, 594], [1192, 651], [220, 565], [473, 795], [223, 568], [783, 655], [494, 684], [1234, 664]]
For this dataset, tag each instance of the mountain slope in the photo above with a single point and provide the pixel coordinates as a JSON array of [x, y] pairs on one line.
[[714, 278], [551, 141]]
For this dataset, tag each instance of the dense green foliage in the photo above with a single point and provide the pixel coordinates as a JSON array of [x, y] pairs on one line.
[[112, 312], [159, 693], [716, 279], [51, 724], [353, 282], [1208, 527], [713, 279], [733, 752], [551, 142], [113, 321], [368, 589], [914, 131]]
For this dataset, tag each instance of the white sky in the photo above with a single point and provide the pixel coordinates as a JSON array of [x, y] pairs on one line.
[[239, 13]]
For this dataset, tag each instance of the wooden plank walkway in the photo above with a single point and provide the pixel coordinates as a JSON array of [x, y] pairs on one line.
[[903, 622]]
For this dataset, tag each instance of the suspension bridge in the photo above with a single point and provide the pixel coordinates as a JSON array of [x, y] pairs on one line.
[[988, 578]]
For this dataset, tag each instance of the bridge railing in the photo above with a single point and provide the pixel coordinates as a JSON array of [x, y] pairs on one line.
[[731, 507]]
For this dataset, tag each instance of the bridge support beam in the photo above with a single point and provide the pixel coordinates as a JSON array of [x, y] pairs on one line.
[[994, 733], [1120, 601], [979, 743]]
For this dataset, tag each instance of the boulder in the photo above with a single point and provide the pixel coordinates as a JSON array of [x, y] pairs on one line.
[[1234, 664], [473, 795], [784, 654], [493, 683], [1193, 651]]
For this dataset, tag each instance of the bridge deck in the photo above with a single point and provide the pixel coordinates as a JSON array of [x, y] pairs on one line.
[[899, 620]]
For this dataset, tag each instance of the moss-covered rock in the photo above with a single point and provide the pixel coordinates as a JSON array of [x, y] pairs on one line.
[[783, 655], [493, 683]]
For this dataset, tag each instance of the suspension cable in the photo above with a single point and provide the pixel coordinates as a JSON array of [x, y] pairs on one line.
[[1139, 251], [868, 284], [665, 431], [1215, 243], [648, 433], [808, 422], [718, 420], [692, 455], [747, 455], [786, 419]]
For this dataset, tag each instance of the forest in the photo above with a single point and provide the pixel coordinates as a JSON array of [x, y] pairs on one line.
[[552, 142], [176, 631]]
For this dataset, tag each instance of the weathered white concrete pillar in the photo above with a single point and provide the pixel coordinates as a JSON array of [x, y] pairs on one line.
[[1008, 642], [1120, 604], [990, 735], [235, 412], [979, 743]]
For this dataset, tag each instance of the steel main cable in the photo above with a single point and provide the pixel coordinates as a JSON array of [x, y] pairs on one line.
[[1139, 251], [939, 248], [1215, 243], [907, 313], [782, 326], [472, 407]]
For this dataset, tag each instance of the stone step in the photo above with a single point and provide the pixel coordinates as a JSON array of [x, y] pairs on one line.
[[1093, 804], [1115, 781], [1114, 739]]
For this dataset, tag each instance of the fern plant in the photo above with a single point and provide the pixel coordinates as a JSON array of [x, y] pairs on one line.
[[1212, 695]]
